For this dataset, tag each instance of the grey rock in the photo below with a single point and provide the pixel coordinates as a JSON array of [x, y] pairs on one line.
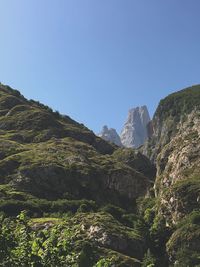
[[179, 160], [135, 131], [110, 135]]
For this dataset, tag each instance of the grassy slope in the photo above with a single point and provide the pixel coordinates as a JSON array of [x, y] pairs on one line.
[[54, 167]]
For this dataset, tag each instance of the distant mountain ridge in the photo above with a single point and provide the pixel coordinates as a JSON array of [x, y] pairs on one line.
[[110, 135], [135, 130]]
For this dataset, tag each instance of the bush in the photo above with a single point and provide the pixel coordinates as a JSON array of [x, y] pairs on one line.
[[149, 260], [195, 217], [86, 256], [84, 208], [144, 203], [130, 219], [159, 235], [20, 246], [104, 263], [37, 207], [187, 258], [115, 211], [149, 216]]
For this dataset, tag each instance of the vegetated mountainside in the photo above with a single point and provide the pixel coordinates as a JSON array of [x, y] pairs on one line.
[[110, 135], [175, 147], [86, 202], [52, 166], [165, 123]]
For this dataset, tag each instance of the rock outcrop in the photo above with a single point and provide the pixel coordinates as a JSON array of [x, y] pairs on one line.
[[135, 131], [165, 123], [178, 169], [112, 236], [110, 135], [175, 148]]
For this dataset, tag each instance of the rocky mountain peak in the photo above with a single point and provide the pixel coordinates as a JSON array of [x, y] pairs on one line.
[[134, 132], [110, 135]]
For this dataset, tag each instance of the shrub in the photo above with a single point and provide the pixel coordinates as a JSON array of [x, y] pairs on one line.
[[104, 263], [195, 218], [115, 211], [86, 256], [149, 260]]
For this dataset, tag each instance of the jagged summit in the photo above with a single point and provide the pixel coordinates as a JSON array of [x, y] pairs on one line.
[[134, 132], [110, 135]]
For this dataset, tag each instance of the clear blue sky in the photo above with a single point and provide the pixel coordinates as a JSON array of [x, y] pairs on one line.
[[95, 59]]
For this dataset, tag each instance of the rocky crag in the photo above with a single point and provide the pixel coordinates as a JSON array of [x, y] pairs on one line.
[[175, 148], [110, 135], [135, 131]]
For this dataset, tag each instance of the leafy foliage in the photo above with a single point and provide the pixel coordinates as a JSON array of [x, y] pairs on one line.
[[149, 260], [23, 247]]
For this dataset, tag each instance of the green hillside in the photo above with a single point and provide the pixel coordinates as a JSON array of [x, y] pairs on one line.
[[62, 176], [69, 198]]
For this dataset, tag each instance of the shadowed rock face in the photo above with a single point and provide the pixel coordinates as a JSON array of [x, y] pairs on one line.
[[110, 135], [135, 132]]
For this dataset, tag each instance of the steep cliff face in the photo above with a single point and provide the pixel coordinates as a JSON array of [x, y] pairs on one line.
[[174, 145], [175, 148], [165, 123], [135, 130], [178, 170], [110, 135]]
